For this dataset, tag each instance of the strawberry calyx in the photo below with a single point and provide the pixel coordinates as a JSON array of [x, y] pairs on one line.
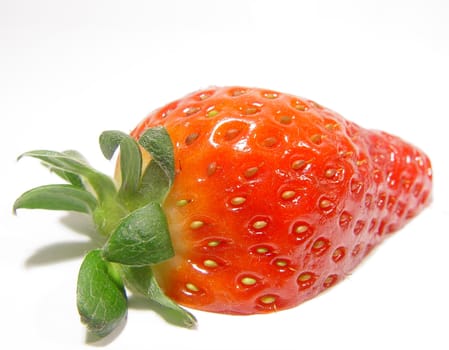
[[129, 216]]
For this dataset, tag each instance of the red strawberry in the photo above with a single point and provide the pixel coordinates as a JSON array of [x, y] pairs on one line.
[[276, 197], [269, 200]]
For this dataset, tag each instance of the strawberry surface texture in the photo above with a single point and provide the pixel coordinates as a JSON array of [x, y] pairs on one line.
[[276, 198]]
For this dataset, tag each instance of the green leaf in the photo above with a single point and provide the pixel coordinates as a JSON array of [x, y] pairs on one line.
[[155, 184], [71, 163], [130, 158], [57, 197], [141, 280], [70, 177], [158, 143], [141, 238], [101, 298]]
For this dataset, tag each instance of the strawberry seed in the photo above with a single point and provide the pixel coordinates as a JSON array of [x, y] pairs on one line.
[[267, 299], [191, 287], [288, 194], [210, 263], [238, 200], [194, 225], [248, 281], [260, 224]]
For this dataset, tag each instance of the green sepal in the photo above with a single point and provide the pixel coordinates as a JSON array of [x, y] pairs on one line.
[[70, 177], [57, 197], [154, 185], [157, 142], [65, 162], [132, 217], [130, 158], [141, 280], [101, 296], [141, 238]]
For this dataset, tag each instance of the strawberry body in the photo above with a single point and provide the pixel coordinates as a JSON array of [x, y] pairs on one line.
[[276, 198]]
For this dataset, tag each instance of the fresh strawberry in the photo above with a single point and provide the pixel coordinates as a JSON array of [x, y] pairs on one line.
[[268, 198], [276, 198]]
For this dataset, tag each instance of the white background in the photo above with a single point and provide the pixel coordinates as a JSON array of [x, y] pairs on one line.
[[71, 69]]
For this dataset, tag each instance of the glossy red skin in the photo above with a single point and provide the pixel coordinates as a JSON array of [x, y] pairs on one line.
[[350, 188]]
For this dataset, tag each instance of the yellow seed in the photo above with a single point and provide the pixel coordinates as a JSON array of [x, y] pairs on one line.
[[270, 141], [270, 95], [191, 110], [268, 299], [238, 200], [196, 224], [182, 202], [250, 172], [211, 169], [288, 194], [212, 113], [262, 250], [210, 263], [281, 263], [191, 138], [204, 96], [298, 164], [250, 110], [285, 119], [192, 287], [260, 224], [248, 281], [331, 126], [231, 133], [330, 281], [301, 228], [316, 139], [300, 106], [318, 244], [329, 173], [325, 204], [304, 277], [213, 243]]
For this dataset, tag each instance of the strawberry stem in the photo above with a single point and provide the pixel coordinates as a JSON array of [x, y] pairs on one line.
[[130, 216]]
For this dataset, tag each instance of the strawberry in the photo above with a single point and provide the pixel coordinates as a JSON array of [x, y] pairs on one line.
[[269, 199], [276, 198]]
